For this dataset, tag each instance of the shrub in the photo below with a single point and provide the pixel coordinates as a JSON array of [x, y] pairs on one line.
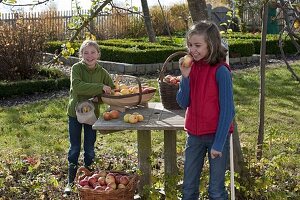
[[20, 49]]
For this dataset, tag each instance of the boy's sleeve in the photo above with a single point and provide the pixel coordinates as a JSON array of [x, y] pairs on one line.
[[83, 88], [183, 93]]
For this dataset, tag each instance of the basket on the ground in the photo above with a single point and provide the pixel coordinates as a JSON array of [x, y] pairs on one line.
[[88, 193], [140, 97], [167, 90]]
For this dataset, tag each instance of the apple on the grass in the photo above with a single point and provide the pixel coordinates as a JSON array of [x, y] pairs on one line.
[[187, 61]]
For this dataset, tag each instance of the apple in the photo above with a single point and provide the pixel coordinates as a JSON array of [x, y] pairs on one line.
[[109, 188], [106, 116], [124, 180], [133, 119], [101, 180], [187, 61], [100, 188], [120, 186], [92, 180], [125, 91], [117, 177], [96, 175], [167, 78], [112, 185], [114, 114], [173, 81], [145, 90], [83, 182], [126, 118], [140, 117], [102, 173], [110, 178], [96, 184], [123, 86]]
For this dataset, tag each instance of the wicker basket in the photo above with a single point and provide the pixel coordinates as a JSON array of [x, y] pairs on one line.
[[168, 91], [129, 100], [126, 193]]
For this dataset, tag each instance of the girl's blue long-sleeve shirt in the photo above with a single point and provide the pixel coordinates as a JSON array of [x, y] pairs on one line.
[[226, 103]]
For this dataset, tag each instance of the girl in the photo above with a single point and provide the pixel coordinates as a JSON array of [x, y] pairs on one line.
[[88, 79], [206, 92]]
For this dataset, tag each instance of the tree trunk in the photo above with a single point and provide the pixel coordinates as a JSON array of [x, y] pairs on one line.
[[198, 10], [261, 127], [147, 20]]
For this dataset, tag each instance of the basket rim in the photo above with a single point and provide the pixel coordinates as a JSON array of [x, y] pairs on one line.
[[164, 67], [151, 90]]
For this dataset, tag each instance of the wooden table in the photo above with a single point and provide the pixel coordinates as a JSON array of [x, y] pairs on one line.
[[155, 118]]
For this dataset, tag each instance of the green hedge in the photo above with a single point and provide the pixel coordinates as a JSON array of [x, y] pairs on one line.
[[139, 51], [32, 86]]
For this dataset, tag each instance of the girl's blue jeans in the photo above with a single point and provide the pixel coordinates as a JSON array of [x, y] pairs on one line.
[[89, 139], [196, 149]]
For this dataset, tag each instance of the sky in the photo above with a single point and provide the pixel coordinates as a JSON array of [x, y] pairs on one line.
[[85, 4]]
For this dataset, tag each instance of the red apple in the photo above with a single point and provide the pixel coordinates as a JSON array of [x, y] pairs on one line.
[[124, 180], [109, 188], [96, 175], [173, 81], [106, 116], [114, 114], [83, 182], [187, 61], [101, 180], [92, 180], [117, 177], [100, 188]]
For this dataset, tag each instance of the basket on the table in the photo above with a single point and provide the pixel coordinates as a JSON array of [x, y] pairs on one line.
[[142, 95], [90, 193], [168, 90]]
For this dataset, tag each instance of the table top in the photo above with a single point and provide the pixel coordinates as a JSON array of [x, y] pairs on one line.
[[156, 117]]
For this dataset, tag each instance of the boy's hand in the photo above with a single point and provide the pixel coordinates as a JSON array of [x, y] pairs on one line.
[[106, 89]]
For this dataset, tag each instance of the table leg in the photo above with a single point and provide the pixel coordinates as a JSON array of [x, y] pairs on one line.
[[170, 158], [144, 153]]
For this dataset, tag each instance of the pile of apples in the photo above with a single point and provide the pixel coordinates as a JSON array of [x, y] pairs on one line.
[[113, 114], [173, 80], [103, 181], [123, 89], [133, 118]]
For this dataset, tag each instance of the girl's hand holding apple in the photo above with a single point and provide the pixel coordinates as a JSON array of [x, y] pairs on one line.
[[185, 65]]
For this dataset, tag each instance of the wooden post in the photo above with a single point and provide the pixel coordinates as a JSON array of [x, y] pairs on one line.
[[144, 153]]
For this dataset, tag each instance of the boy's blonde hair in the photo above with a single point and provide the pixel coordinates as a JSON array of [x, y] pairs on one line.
[[88, 43], [210, 31]]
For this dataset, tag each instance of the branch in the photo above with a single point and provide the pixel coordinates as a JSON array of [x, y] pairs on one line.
[[83, 25], [27, 4]]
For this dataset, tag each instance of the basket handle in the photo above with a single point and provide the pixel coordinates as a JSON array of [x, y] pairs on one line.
[[137, 80], [85, 171], [164, 67]]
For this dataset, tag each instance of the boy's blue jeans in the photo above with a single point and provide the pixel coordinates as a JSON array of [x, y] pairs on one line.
[[75, 129], [196, 149]]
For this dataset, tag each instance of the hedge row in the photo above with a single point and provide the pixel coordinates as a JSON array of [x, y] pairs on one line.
[[32, 86], [140, 52]]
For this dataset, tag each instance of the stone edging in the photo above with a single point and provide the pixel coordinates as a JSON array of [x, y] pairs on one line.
[[142, 69]]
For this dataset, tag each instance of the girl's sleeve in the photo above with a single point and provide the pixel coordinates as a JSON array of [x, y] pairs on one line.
[[224, 81], [183, 94]]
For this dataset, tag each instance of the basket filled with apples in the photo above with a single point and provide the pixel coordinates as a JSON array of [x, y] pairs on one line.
[[128, 92], [105, 185], [169, 84]]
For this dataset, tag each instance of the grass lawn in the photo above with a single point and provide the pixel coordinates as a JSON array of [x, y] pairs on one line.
[[34, 143]]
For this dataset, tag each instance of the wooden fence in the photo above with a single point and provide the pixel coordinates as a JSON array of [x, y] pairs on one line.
[[115, 24]]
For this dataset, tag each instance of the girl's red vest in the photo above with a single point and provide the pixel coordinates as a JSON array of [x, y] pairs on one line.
[[202, 115]]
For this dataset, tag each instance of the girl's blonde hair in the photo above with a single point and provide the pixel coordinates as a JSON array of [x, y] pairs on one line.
[[88, 43], [210, 31]]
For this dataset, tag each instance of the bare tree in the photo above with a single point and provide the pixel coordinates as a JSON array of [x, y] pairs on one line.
[[147, 20], [261, 127], [198, 10]]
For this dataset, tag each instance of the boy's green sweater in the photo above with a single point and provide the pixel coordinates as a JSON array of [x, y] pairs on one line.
[[87, 83]]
